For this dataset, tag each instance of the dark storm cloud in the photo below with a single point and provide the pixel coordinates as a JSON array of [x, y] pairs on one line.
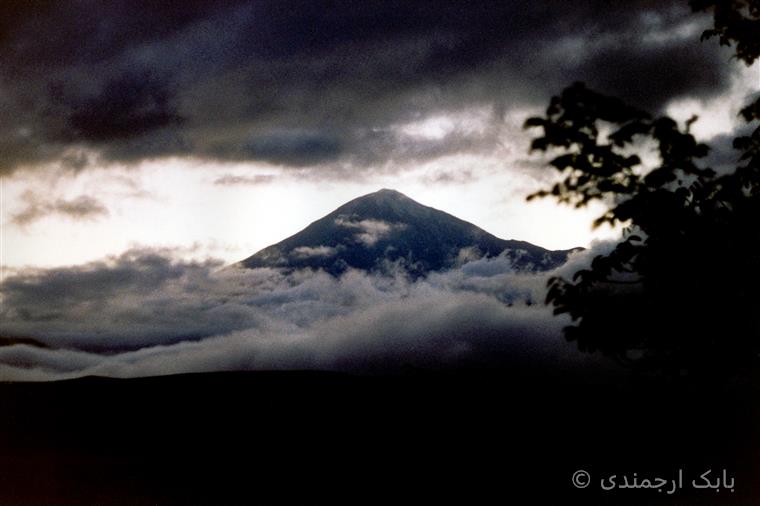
[[127, 106], [305, 83], [292, 148], [37, 207], [653, 73], [146, 313]]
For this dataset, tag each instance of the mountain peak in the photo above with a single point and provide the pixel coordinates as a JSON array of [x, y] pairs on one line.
[[385, 195], [388, 191], [386, 228]]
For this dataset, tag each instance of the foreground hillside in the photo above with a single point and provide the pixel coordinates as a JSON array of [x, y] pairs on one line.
[[315, 438]]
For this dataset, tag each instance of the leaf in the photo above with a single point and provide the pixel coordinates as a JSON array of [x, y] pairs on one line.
[[534, 122]]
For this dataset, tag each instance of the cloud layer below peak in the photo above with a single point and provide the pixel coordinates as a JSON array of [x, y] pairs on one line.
[[144, 313]]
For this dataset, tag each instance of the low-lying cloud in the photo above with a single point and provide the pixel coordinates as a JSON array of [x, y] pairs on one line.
[[146, 313]]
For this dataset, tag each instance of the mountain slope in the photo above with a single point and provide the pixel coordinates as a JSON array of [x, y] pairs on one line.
[[386, 228]]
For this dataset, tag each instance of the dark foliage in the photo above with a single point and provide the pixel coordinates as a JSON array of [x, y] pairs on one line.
[[680, 293]]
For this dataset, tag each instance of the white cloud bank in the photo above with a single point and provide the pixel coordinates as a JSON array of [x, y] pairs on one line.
[[144, 313]]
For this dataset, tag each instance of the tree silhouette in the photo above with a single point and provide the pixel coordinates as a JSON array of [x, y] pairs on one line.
[[680, 294]]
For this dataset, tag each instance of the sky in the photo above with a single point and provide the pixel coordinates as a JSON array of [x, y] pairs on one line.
[[218, 128], [195, 133]]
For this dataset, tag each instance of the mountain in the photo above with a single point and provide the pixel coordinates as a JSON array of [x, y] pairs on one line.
[[385, 228]]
